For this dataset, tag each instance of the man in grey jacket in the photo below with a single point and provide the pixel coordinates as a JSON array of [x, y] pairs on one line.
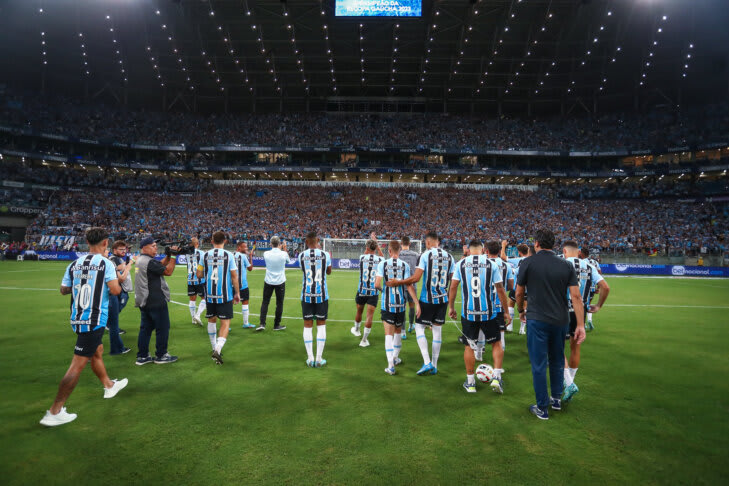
[[151, 295]]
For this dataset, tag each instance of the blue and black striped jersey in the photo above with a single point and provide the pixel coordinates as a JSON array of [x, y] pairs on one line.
[[314, 264], [587, 277], [477, 276], [506, 274], [87, 277], [241, 261], [393, 298], [436, 264], [217, 267], [367, 273], [193, 261]]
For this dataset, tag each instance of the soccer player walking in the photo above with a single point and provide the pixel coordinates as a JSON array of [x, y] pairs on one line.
[[507, 278], [315, 265], [367, 293], [587, 278], [411, 258], [220, 272], [90, 280], [523, 251], [393, 302], [195, 285], [435, 267], [244, 266], [481, 282]]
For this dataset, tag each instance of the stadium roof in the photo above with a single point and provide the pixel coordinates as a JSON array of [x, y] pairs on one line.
[[528, 56]]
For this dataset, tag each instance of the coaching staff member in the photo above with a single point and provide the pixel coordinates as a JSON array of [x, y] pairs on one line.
[[549, 279], [151, 295], [275, 280]]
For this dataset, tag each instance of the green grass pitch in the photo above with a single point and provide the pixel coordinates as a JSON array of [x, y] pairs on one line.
[[652, 407]]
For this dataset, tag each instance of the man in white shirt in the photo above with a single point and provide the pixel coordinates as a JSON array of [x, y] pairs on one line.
[[275, 280]]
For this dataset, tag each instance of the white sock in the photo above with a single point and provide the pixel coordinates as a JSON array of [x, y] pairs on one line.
[[589, 317], [422, 342], [367, 331], [503, 340], [245, 314], [356, 325], [396, 345], [219, 344], [308, 338], [321, 340], [200, 308], [510, 327], [511, 313], [522, 327], [567, 377], [471, 379], [497, 372], [212, 333], [573, 372], [389, 350], [437, 336], [192, 308], [404, 332], [481, 344]]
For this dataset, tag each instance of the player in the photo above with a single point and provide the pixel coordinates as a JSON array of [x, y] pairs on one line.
[[436, 267], [195, 285], [315, 265], [481, 281], [585, 255], [411, 258], [367, 293], [393, 302], [507, 279], [587, 276], [244, 266], [219, 269], [524, 251], [90, 280]]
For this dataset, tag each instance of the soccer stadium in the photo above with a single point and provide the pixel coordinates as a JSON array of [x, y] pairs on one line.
[[364, 241]]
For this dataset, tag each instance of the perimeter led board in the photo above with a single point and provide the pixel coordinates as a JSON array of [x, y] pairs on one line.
[[378, 8]]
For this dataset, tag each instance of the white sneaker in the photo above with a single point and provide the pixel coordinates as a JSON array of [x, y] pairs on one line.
[[510, 327], [62, 417], [115, 388], [196, 320], [364, 343], [522, 329], [355, 331]]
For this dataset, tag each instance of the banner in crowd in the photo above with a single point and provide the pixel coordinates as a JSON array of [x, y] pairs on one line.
[[349, 263], [673, 270]]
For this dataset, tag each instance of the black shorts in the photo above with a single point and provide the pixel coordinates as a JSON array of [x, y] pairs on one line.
[[489, 328], [88, 342], [432, 314], [366, 299], [512, 295], [573, 324], [198, 289], [313, 311], [500, 319], [396, 319], [245, 294], [222, 311]]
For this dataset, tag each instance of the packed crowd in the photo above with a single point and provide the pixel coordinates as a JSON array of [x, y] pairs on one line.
[[608, 132], [259, 212]]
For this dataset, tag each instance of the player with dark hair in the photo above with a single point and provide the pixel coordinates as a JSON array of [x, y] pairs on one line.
[[315, 265], [585, 255], [482, 285], [393, 302], [436, 268], [123, 264], [244, 266], [367, 293], [220, 272], [92, 281], [524, 252], [507, 278], [587, 278]]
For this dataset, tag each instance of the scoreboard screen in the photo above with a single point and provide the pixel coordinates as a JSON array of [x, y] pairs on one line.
[[378, 8]]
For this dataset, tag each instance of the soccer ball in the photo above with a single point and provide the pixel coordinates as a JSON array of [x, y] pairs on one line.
[[484, 373]]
